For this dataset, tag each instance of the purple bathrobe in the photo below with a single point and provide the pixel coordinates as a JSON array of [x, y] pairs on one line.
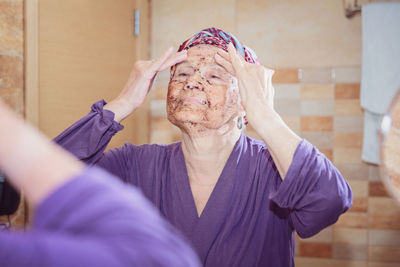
[[94, 220], [250, 217]]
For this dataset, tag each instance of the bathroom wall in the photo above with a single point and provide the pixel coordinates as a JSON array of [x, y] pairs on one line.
[[316, 53], [12, 68]]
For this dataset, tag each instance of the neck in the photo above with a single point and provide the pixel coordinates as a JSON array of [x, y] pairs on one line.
[[206, 154]]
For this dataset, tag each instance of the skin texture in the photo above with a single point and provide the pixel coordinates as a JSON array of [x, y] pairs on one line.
[[202, 95]]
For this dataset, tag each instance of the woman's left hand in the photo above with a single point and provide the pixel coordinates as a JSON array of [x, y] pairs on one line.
[[255, 85]]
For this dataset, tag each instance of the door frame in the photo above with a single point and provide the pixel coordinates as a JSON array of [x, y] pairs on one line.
[[32, 86]]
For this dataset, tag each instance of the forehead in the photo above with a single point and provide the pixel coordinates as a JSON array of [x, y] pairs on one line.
[[201, 55]]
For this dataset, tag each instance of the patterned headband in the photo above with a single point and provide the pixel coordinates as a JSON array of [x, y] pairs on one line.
[[219, 38]]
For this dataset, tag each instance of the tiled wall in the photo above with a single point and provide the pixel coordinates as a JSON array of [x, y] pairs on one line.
[[316, 53], [12, 68]]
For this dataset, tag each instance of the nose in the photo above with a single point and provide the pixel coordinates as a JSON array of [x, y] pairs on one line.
[[193, 83]]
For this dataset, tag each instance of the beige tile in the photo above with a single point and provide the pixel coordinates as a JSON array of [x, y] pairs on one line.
[[158, 108], [348, 107], [172, 22], [352, 220], [384, 238], [383, 206], [347, 74], [311, 33], [322, 140], [11, 27], [384, 254], [159, 93], [359, 188], [328, 153], [161, 124], [287, 106], [285, 76], [316, 123], [317, 91], [348, 124], [350, 236], [347, 155], [347, 91], [321, 107], [325, 236], [11, 72], [343, 140], [353, 171], [374, 174], [283, 90], [316, 75], [319, 262], [293, 122], [317, 250], [350, 252]]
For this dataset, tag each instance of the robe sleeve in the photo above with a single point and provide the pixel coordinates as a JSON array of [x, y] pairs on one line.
[[94, 220], [313, 191], [87, 139]]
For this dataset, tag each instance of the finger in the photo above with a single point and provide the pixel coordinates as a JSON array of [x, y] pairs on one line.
[[224, 54], [235, 59], [155, 66], [173, 59], [227, 65]]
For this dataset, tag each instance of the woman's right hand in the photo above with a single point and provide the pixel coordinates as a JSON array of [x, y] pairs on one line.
[[140, 81]]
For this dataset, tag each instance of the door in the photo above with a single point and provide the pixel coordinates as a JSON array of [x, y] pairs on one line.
[[86, 50]]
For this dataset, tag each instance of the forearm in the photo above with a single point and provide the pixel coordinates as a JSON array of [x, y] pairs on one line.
[[31, 162], [279, 138]]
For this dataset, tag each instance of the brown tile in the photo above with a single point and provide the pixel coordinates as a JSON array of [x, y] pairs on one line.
[[348, 107], [322, 140], [373, 173], [11, 27], [317, 91], [384, 222], [384, 254], [344, 140], [347, 90], [359, 204], [11, 72], [353, 220], [350, 251], [285, 76], [377, 189], [382, 264], [348, 123], [316, 123], [383, 206], [328, 153], [350, 236], [316, 75], [318, 250], [347, 155], [384, 238], [14, 99], [354, 171]]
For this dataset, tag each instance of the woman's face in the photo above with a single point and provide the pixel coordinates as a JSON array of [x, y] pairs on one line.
[[201, 94]]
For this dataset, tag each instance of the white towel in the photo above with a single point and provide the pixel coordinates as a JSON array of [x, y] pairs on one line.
[[380, 78]]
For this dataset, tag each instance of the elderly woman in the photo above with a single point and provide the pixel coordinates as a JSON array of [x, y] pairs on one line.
[[237, 200]]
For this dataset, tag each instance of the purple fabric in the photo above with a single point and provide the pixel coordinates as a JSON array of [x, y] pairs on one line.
[[251, 215], [94, 220]]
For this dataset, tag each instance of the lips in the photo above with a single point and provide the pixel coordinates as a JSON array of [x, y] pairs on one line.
[[194, 100]]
